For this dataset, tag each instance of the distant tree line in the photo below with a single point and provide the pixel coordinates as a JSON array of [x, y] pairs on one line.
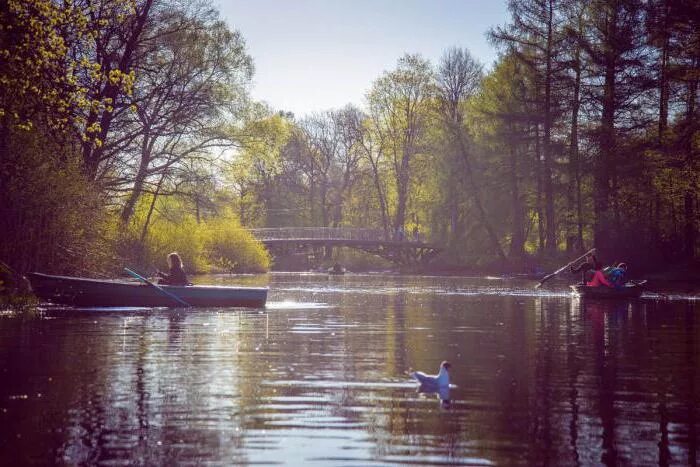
[[126, 127], [583, 133]]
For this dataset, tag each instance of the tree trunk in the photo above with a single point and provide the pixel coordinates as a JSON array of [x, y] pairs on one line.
[[197, 209], [140, 179], [312, 195], [324, 206], [690, 220], [493, 238], [403, 179], [380, 194], [92, 154], [690, 198], [241, 207], [574, 156], [4, 137], [151, 208], [454, 227], [663, 76], [517, 241], [134, 196], [604, 159], [538, 202], [550, 222]]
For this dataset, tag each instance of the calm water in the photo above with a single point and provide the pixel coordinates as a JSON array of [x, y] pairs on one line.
[[320, 377]]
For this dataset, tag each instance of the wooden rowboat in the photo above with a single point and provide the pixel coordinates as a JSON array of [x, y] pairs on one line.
[[629, 290], [79, 291]]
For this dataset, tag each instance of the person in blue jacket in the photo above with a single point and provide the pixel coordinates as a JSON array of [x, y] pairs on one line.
[[618, 275]]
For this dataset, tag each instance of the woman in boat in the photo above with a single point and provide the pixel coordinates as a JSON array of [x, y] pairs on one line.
[[598, 277], [176, 275]]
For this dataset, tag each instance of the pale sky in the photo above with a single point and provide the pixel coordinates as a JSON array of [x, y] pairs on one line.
[[315, 55]]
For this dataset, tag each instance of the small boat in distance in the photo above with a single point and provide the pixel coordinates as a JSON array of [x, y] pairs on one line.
[[629, 290], [79, 291], [336, 269]]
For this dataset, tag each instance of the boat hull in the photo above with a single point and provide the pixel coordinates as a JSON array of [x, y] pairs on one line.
[[626, 292], [78, 291]]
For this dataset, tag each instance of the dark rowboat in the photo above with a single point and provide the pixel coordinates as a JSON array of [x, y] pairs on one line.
[[78, 291], [629, 290], [336, 271]]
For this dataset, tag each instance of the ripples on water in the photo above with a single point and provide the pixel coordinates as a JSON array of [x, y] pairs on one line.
[[320, 377]]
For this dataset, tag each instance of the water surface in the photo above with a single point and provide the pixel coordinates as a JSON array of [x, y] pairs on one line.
[[320, 377]]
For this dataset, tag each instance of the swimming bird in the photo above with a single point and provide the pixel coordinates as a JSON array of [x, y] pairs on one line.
[[442, 393], [438, 380]]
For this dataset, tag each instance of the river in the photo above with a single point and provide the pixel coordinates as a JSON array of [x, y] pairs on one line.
[[320, 377]]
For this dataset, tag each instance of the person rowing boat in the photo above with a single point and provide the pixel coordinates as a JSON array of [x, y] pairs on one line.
[[176, 275], [584, 268], [599, 278]]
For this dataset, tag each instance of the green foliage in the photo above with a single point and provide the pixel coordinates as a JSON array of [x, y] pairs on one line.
[[255, 172], [14, 292], [231, 248], [216, 243], [179, 234], [52, 219], [45, 65]]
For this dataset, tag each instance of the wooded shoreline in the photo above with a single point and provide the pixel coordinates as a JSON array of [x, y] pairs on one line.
[[128, 131]]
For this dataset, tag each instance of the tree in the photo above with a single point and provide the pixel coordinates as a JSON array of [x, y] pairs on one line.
[[575, 66], [259, 167], [192, 72], [459, 77], [535, 39], [114, 53], [501, 121], [400, 104], [53, 217], [614, 45], [373, 153]]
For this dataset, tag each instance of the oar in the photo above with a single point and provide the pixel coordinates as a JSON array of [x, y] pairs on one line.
[[162, 290], [549, 276]]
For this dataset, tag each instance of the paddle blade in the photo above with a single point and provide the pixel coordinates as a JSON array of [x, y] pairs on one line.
[[544, 279]]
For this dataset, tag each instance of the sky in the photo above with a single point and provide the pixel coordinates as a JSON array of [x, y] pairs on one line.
[[316, 55]]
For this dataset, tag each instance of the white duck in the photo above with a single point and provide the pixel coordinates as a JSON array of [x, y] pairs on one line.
[[439, 380]]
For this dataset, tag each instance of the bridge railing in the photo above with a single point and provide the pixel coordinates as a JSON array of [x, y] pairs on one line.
[[323, 233]]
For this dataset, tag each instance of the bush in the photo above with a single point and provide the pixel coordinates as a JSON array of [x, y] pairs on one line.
[[230, 247], [52, 219], [218, 243]]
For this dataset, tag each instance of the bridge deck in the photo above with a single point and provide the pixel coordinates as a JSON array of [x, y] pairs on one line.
[[330, 233], [374, 241]]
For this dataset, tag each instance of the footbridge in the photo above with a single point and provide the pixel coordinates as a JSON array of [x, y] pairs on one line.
[[400, 250]]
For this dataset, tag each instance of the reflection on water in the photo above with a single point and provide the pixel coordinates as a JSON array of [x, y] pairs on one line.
[[442, 393], [321, 376]]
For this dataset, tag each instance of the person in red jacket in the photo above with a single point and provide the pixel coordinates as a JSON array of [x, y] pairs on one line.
[[599, 278]]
